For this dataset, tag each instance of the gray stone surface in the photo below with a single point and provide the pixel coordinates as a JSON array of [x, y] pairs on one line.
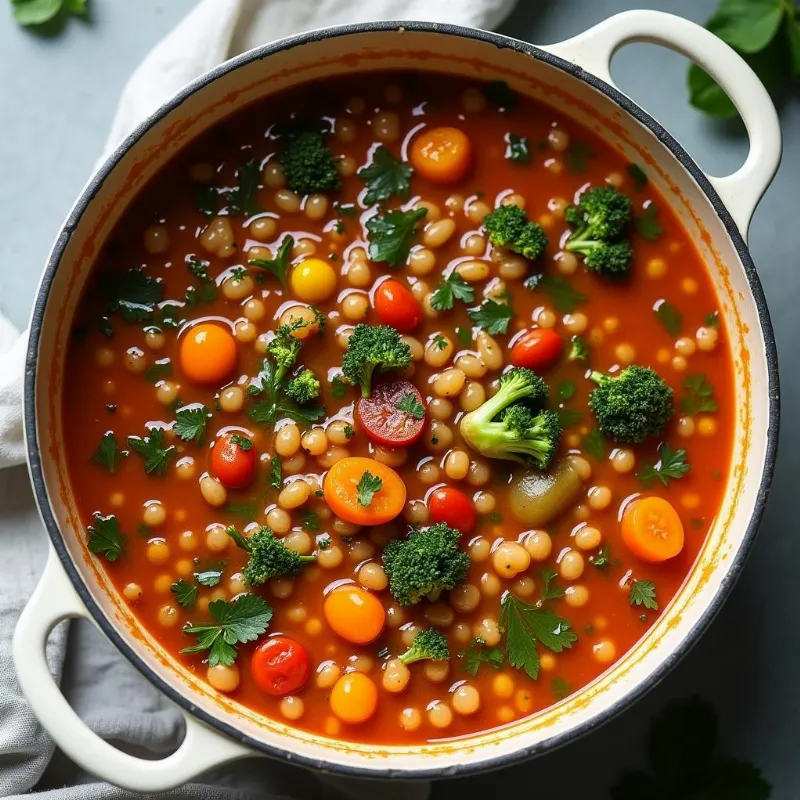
[[57, 97]]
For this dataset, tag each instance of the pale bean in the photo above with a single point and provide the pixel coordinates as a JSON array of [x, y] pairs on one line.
[[438, 233], [422, 261], [272, 175], [222, 677], [449, 383], [470, 365], [315, 442], [214, 493], [473, 396], [396, 676], [372, 576], [438, 350], [466, 700], [263, 229], [456, 465], [287, 440], [294, 495], [473, 271], [287, 200], [231, 400], [490, 351]]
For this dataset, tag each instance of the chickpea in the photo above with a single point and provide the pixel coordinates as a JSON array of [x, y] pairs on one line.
[[513, 268], [465, 598], [438, 351], [622, 460], [479, 474], [473, 396], [539, 545], [588, 538], [287, 440], [395, 676], [489, 351], [436, 671], [332, 455], [168, 616], [315, 442], [509, 559], [217, 539], [282, 588], [223, 678], [604, 651], [328, 672], [503, 686], [599, 498], [707, 338], [571, 565], [263, 229], [466, 699], [488, 630], [231, 400], [132, 591], [359, 274], [576, 596], [439, 714], [330, 558], [485, 502], [422, 261], [456, 465], [449, 383], [372, 576], [490, 585], [154, 514], [477, 211], [355, 306], [410, 719], [294, 495], [439, 614], [279, 520], [156, 240], [135, 360], [214, 493], [440, 408], [416, 512], [386, 126]]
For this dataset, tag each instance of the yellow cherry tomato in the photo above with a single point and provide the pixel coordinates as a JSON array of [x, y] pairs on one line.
[[354, 698], [354, 614], [313, 280], [208, 353]]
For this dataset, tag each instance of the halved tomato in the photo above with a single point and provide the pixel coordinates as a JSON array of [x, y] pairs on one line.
[[394, 414]]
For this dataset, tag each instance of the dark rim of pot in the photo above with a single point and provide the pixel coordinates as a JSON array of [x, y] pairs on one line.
[[435, 770]]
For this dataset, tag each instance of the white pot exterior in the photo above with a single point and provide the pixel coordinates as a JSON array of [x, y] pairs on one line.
[[532, 72]]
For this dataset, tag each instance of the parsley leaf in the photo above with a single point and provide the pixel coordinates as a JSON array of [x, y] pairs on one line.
[[566, 390], [643, 593], [105, 537], [278, 266], [700, 397], [409, 404], [276, 472], [577, 157], [191, 422], [274, 404], [211, 574], [712, 319], [385, 176], [464, 336], [638, 176], [518, 148], [158, 371], [38, 12], [151, 449], [602, 558], [452, 288], [390, 235], [339, 388], [205, 199], [527, 625], [198, 268], [349, 431], [560, 688], [241, 620], [491, 316], [367, 487], [671, 466], [242, 201], [647, 224], [500, 95], [477, 654], [241, 441], [569, 416], [550, 589], [558, 288], [594, 444], [669, 317], [309, 521], [135, 295], [108, 454], [185, 593]]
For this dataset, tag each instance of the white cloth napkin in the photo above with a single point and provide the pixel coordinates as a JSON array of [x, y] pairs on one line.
[[118, 703]]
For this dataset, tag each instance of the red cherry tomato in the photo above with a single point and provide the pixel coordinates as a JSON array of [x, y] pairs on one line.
[[387, 424], [234, 460], [454, 508], [280, 666], [396, 306], [538, 349]]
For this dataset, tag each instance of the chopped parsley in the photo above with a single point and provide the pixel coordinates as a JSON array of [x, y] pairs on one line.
[[156, 373], [338, 387], [566, 390], [647, 224], [602, 558], [349, 431], [151, 449], [670, 466], [594, 444], [712, 319], [669, 317], [276, 472], [560, 688], [108, 454], [491, 316], [367, 486], [560, 291], [699, 397], [643, 593], [569, 416], [241, 441], [104, 537], [237, 621], [135, 295], [577, 157], [439, 342], [211, 574], [309, 521], [637, 175], [185, 593], [242, 201], [391, 234], [198, 267], [191, 423], [452, 288], [477, 653], [409, 404], [518, 148], [205, 199], [386, 177], [278, 266]]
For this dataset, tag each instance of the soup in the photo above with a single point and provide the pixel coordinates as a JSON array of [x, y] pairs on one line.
[[398, 408]]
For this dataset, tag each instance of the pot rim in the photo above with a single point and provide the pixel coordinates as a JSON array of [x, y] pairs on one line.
[[623, 102]]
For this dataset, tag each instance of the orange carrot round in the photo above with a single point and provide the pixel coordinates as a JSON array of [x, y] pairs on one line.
[[652, 529], [355, 614], [349, 493], [442, 155], [208, 353]]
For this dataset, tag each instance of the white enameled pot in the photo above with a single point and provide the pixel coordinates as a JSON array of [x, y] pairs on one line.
[[572, 76]]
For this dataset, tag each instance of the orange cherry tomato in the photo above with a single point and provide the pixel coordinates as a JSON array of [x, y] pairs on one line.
[[208, 353], [442, 155], [396, 306], [354, 698], [454, 508], [651, 529], [234, 460], [354, 614], [538, 349], [280, 666], [344, 499]]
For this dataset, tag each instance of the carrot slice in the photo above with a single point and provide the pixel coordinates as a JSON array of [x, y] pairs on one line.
[[652, 529], [442, 155], [342, 493]]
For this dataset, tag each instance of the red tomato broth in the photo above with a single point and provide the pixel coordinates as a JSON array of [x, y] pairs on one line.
[[167, 201]]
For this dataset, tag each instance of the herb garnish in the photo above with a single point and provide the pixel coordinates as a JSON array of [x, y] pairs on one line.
[[241, 441], [560, 291], [477, 653], [647, 224], [156, 373], [367, 486], [643, 593], [638, 176], [390, 235], [409, 404], [105, 537], [669, 317], [385, 176], [190, 423], [309, 521], [518, 148], [242, 200], [278, 266], [241, 620], [577, 157], [136, 296], [185, 593], [108, 454], [151, 449], [276, 472], [500, 95], [670, 466], [452, 288], [491, 316], [338, 387], [211, 574], [700, 397], [594, 444]]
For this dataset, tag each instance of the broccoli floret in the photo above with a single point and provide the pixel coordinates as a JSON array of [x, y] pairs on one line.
[[304, 388], [284, 348], [509, 226], [578, 350], [373, 348], [631, 406], [308, 165], [267, 556], [425, 564], [599, 219], [428, 645], [508, 426]]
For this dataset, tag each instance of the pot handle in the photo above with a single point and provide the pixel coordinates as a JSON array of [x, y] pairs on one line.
[[54, 600], [594, 49]]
